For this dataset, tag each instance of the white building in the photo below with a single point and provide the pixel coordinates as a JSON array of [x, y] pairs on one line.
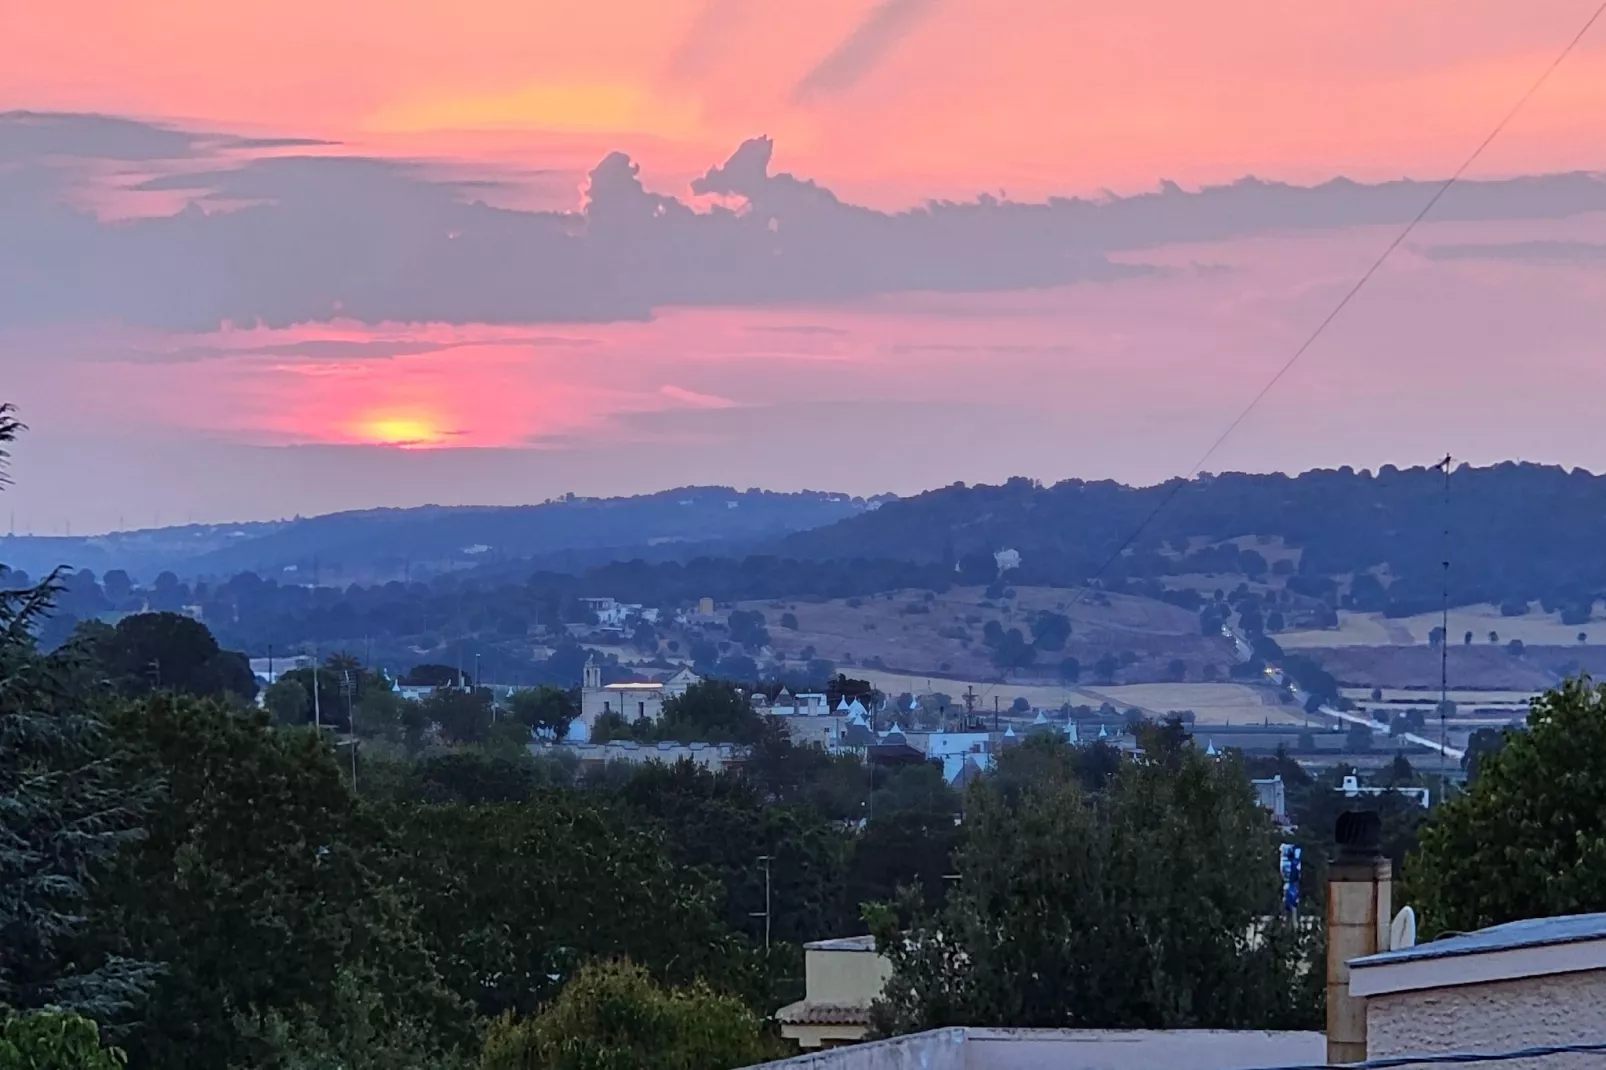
[[632, 701], [613, 614], [1353, 788], [1525, 984], [808, 704], [268, 670], [959, 753], [972, 1048], [807, 717], [1272, 795]]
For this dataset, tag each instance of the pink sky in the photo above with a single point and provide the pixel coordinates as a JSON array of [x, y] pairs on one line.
[[1130, 378], [1035, 96]]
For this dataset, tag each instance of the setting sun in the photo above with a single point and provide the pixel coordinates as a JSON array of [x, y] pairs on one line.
[[389, 429]]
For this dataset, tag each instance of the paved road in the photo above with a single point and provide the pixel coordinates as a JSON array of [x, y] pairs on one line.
[[1246, 652]]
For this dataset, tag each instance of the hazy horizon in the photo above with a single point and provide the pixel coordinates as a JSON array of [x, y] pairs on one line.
[[162, 523]]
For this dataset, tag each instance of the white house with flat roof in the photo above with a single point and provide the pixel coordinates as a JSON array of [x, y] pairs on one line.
[[1525, 984], [971, 1048]]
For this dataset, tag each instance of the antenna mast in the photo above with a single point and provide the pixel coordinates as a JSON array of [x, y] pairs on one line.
[[1444, 631]]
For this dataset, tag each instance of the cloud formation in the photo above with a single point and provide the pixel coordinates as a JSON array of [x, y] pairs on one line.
[[889, 22], [283, 239], [32, 137]]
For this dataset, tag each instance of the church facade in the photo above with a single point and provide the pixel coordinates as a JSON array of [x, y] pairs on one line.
[[632, 701]]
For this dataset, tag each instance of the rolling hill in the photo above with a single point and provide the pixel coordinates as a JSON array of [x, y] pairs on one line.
[[383, 544]]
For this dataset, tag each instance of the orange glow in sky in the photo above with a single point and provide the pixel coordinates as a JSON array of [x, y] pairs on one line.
[[394, 429], [1034, 96]]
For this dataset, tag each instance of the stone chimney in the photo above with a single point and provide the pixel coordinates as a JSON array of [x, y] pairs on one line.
[[1359, 890]]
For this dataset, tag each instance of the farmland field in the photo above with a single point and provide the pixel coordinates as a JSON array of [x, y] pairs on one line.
[[1373, 629], [915, 632], [1211, 703]]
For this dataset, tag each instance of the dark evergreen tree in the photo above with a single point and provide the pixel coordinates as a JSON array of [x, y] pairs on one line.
[[64, 816]]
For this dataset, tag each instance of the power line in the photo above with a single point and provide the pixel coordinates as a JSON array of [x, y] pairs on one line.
[[1177, 485], [1453, 1058]]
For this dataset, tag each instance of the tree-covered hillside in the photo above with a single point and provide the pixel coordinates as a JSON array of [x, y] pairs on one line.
[[1517, 531]]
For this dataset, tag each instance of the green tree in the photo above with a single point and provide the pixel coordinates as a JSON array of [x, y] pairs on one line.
[[10, 428], [721, 824], [1050, 630], [259, 880], [613, 1016], [54, 1040], [545, 709], [146, 652], [1528, 836], [1143, 906], [355, 1032], [64, 817], [431, 675], [710, 711], [464, 715], [516, 897], [288, 701], [898, 850], [382, 713]]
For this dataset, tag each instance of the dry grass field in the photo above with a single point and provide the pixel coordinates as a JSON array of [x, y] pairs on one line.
[[1430, 696], [1215, 704], [916, 632], [1373, 629]]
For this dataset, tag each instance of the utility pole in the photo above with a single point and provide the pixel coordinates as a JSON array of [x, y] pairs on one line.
[[317, 709], [995, 713], [1444, 642], [270, 664], [347, 686], [765, 860]]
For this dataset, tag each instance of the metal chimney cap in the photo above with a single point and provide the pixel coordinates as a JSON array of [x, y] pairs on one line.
[[1358, 834]]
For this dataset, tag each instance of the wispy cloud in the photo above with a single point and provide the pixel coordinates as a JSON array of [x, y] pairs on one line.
[[706, 39], [1539, 252], [695, 399], [857, 54], [343, 349]]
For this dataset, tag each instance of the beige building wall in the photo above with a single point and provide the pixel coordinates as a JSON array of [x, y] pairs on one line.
[[1496, 1016], [630, 704], [842, 978], [810, 730], [848, 978]]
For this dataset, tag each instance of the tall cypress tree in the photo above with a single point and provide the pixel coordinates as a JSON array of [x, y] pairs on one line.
[[63, 815]]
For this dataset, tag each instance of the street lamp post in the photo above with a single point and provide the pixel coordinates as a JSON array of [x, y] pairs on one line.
[[765, 860]]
